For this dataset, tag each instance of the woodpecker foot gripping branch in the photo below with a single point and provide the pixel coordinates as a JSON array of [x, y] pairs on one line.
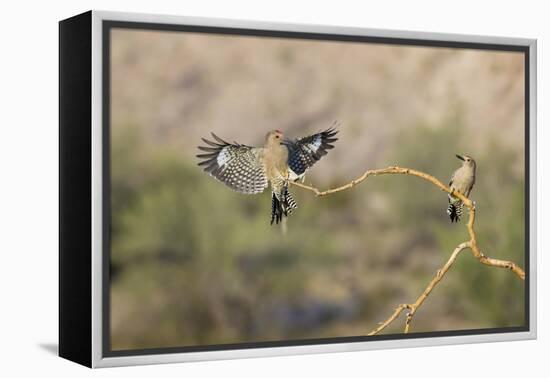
[[471, 244]]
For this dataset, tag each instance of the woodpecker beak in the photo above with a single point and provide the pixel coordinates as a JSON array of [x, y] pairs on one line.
[[460, 157]]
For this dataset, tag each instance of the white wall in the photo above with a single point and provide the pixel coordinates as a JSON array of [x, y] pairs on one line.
[[28, 162]]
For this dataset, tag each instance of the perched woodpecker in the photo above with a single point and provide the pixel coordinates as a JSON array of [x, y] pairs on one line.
[[462, 180], [250, 170]]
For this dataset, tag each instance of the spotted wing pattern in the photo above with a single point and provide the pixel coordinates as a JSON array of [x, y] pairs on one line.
[[236, 165], [304, 152]]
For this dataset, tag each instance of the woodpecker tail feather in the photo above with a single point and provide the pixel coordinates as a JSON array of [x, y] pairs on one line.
[[276, 209], [288, 201], [454, 209], [282, 204]]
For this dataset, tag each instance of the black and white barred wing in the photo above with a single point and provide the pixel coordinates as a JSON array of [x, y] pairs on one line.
[[237, 166], [304, 152]]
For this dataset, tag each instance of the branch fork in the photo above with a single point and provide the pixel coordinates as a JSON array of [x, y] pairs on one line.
[[470, 244]]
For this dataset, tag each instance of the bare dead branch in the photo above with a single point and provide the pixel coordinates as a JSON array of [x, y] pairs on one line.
[[388, 321], [438, 277], [470, 244]]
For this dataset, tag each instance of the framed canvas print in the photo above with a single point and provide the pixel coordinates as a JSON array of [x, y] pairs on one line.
[[236, 189]]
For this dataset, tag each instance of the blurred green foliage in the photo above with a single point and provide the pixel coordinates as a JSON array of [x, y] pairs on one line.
[[194, 263]]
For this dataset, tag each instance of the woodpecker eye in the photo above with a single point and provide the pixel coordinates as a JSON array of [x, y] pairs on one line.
[[276, 136]]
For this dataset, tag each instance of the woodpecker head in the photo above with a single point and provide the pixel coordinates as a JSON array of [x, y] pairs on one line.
[[467, 161], [274, 137]]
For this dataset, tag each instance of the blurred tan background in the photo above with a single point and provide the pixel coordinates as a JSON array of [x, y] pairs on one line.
[[194, 263]]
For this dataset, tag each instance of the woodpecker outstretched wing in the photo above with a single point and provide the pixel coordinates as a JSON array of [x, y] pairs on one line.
[[236, 165], [304, 152]]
